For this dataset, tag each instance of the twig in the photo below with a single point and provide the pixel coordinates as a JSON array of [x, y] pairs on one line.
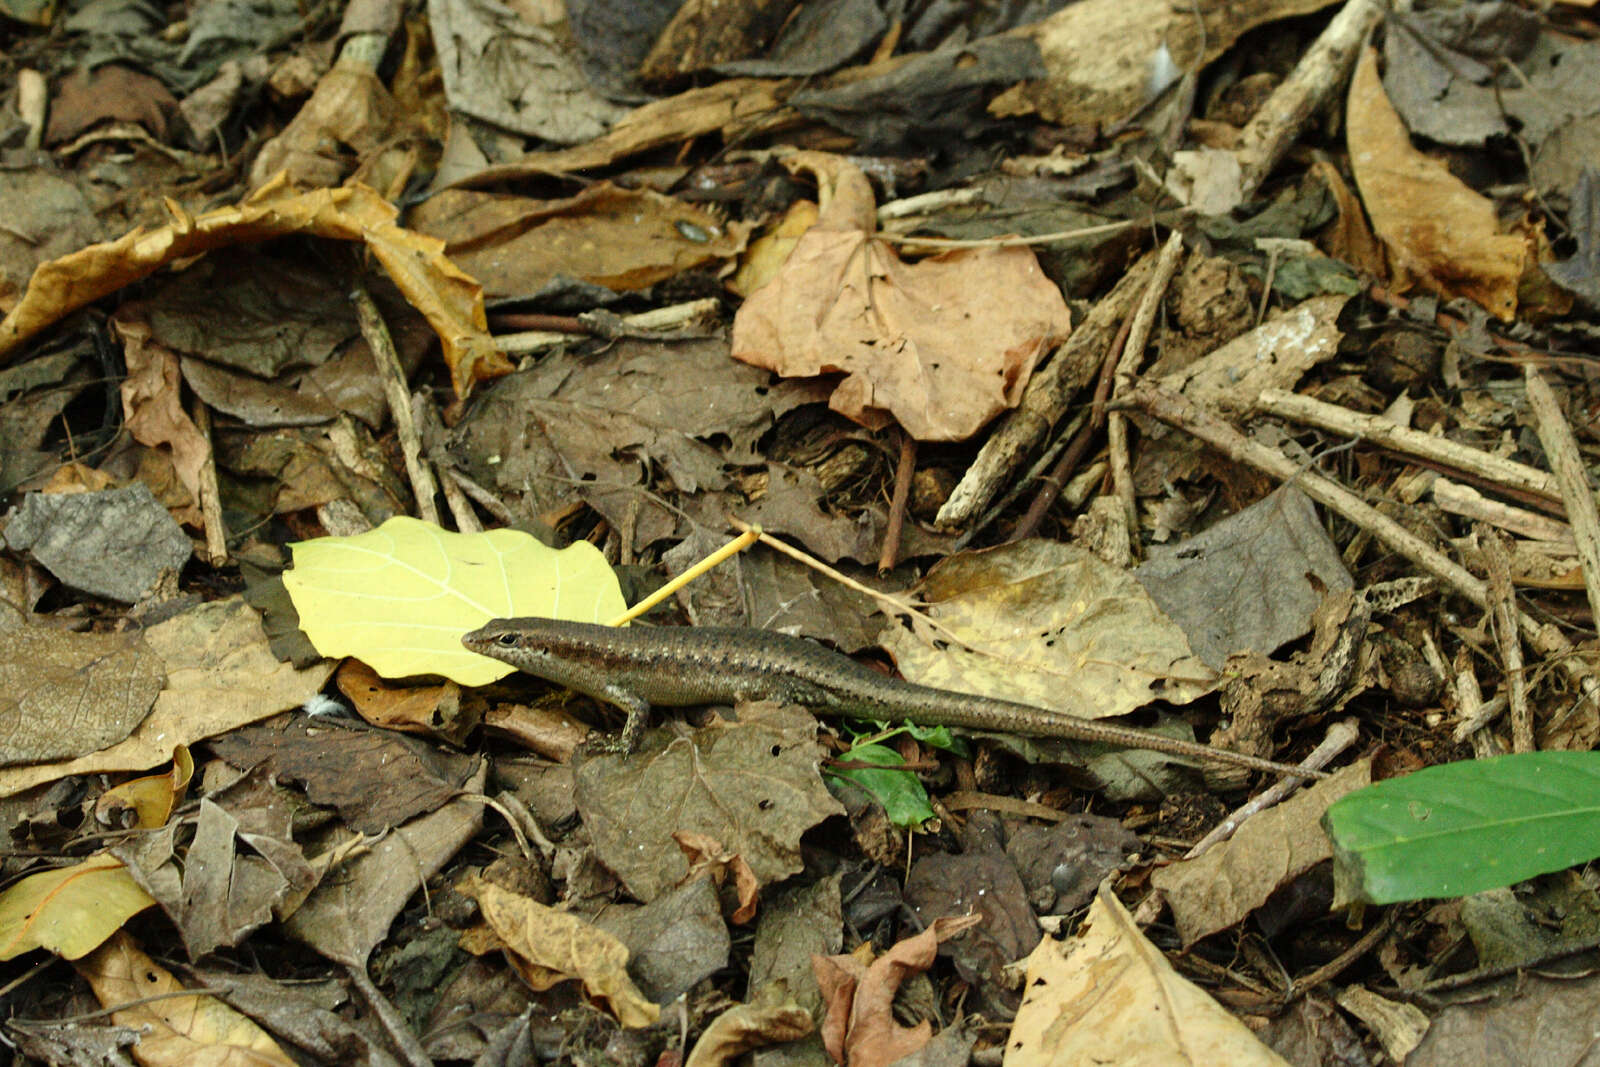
[[486, 500], [1503, 613], [1044, 468], [652, 323], [904, 470], [1402, 439], [210, 493], [1334, 967], [1179, 411], [1277, 125], [1561, 449], [1467, 502], [431, 429], [1340, 736], [1138, 336], [393, 377], [1046, 399]]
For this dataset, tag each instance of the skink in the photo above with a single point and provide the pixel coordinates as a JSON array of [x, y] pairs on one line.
[[635, 668]]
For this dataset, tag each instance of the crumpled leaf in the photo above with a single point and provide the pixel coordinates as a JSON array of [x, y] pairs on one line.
[[113, 543], [549, 946], [1440, 234], [918, 342], [1213, 891], [450, 300], [860, 1029], [70, 910], [771, 1017], [1064, 630], [398, 598]]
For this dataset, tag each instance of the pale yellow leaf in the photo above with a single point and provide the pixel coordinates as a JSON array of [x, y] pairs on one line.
[[70, 910], [398, 598]]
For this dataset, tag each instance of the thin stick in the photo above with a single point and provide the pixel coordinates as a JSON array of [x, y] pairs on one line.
[[1045, 401], [210, 491], [1138, 336], [1409, 442], [1561, 449], [904, 470], [1278, 123], [1503, 614], [1056, 480], [395, 390]]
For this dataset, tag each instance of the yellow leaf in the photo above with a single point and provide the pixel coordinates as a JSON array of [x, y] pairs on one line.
[[398, 598], [149, 800], [192, 1030], [69, 911]]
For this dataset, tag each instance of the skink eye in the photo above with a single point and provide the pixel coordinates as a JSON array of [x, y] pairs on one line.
[[508, 640]]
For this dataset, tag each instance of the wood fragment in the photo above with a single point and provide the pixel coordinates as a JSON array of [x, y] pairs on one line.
[[1561, 450]]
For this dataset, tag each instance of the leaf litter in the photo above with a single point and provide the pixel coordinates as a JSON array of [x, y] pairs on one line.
[[1311, 482]]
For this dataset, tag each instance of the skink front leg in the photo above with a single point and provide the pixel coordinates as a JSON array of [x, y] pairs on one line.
[[638, 710]]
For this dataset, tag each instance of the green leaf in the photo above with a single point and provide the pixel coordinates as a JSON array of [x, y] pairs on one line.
[[398, 598], [897, 789], [1461, 828]]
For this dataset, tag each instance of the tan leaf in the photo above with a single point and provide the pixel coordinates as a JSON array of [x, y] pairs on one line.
[[1439, 233], [772, 1017], [931, 344], [1107, 995], [555, 946], [71, 910]]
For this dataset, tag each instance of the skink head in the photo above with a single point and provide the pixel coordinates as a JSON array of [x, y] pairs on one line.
[[502, 639]]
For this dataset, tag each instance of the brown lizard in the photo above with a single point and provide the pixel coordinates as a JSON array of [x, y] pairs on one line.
[[635, 668]]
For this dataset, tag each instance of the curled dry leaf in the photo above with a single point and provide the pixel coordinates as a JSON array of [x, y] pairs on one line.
[[549, 946], [451, 301], [860, 1029]]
